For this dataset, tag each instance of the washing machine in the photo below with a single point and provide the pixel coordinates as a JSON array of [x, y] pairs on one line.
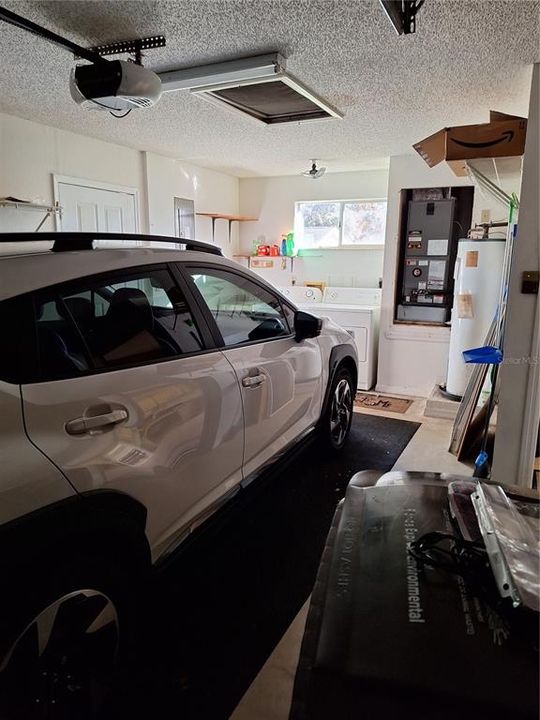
[[357, 310], [302, 296]]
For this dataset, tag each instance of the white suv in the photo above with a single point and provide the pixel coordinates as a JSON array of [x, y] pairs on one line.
[[140, 387]]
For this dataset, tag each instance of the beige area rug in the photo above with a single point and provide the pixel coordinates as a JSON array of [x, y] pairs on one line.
[[374, 401]]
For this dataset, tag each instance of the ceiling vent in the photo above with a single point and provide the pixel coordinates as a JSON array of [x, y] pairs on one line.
[[257, 86]]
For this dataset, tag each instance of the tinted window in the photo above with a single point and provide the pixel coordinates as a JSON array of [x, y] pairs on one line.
[[243, 311], [10, 322], [113, 322], [62, 351]]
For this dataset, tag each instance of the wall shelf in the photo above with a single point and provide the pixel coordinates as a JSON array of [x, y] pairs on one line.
[[249, 258], [230, 219], [49, 210]]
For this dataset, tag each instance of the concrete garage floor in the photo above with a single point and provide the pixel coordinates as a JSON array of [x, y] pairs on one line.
[[269, 696]]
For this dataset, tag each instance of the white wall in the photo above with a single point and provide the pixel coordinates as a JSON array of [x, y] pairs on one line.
[[211, 191], [413, 359], [30, 154], [271, 200], [519, 403]]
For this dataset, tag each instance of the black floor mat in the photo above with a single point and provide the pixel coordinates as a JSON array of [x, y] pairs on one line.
[[218, 610]]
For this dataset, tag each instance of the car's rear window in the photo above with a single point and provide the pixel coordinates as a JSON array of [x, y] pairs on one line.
[[118, 320]]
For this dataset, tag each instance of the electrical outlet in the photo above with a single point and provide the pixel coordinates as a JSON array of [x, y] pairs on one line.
[[485, 216], [530, 280]]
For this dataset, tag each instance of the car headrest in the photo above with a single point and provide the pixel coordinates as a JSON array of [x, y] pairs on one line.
[[130, 309], [79, 308]]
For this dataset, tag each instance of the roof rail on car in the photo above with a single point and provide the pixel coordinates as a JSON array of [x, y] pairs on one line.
[[64, 241]]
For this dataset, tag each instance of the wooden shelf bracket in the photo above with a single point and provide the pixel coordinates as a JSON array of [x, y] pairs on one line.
[[230, 219]]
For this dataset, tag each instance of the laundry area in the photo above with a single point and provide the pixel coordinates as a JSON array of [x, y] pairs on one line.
[[270, 386]]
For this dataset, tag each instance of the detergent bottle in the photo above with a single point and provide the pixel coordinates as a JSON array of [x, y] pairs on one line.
[[290, 244]]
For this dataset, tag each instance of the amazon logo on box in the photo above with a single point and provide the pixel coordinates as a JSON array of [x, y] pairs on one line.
[[503, 136]]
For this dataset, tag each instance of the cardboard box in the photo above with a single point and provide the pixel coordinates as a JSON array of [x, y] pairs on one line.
[[502, 136]]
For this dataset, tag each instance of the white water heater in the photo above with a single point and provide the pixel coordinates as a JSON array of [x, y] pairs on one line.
[[477, 279]]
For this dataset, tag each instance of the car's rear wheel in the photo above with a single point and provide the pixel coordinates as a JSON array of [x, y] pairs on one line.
[[338, 418], [62, 655]]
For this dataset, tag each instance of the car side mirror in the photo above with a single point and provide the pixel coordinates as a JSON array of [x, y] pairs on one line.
[[306, 325]]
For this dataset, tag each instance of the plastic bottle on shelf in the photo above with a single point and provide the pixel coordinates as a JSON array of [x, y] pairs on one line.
[[290, 245], [283, 245]]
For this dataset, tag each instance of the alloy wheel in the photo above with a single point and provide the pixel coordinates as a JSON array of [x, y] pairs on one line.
[[58, 666], [341, 411]]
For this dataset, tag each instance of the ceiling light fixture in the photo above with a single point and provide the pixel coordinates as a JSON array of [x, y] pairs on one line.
[[256, 86], [314, 172]]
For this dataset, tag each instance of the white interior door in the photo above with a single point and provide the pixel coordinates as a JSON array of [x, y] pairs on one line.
[[93, 209]]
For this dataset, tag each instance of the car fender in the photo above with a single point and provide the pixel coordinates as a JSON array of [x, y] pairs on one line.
[[103, 519], [340, 355]]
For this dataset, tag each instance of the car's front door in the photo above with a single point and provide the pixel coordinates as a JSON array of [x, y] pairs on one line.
[[129, 397], [280, 379]]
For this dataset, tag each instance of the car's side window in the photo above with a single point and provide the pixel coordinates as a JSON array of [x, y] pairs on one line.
[[243, 311], [112, 322]]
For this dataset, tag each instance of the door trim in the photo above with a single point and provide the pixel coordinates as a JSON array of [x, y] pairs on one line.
[[92, 185]]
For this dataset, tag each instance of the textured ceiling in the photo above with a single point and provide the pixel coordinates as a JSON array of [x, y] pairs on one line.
[[465, 58]]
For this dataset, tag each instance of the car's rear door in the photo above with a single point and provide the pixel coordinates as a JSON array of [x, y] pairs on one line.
[[281, 380], [131, 395]]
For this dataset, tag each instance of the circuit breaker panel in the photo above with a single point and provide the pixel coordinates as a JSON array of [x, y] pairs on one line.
[[429, 234]]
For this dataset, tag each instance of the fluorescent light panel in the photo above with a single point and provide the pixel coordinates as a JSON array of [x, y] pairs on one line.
[[258, 87]]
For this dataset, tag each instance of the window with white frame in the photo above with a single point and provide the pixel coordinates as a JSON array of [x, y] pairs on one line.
[[339, 223]]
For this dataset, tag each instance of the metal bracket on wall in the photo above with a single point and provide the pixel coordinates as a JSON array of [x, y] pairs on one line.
[[49, 210], [134, 47], [492, 188]]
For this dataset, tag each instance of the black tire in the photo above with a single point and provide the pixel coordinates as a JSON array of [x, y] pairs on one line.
[[336, 422], [71, 673]]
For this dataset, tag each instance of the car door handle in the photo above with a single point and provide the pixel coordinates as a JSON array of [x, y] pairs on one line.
[[253, 381], [82, 425]]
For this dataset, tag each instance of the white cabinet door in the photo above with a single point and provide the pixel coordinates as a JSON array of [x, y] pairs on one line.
[[88, 209]]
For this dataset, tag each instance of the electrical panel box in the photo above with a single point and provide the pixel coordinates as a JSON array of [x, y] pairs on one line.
[[432, 222]]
